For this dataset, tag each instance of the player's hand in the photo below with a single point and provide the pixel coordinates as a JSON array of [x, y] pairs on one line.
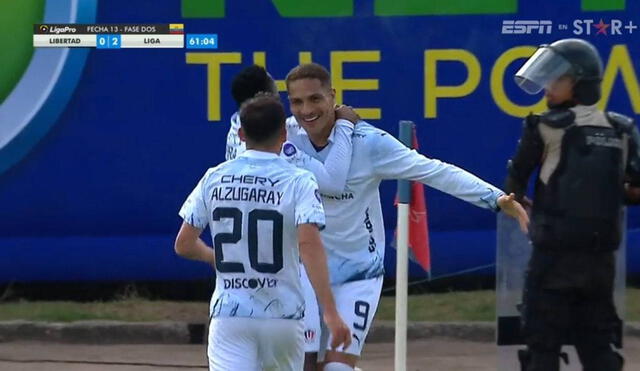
[[527, 204], [347, 113], [340, 333], [511, 207]]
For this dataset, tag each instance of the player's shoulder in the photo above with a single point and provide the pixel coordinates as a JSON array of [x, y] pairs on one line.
[[290, 175], [284, 164], [210, 174], [228, 166], [219, 169], [291, 123], [297, 175], [367, 132], [301, 174], [373, 140]]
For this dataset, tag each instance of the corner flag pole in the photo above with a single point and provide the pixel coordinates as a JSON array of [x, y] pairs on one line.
[[402, 260]]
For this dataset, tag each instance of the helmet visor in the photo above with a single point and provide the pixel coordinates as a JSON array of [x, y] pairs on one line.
[[544, 67]]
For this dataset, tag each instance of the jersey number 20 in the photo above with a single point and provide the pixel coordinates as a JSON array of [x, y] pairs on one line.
[[236, 234]]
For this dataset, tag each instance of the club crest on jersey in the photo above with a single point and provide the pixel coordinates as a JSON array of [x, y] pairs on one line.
[[289, 149], [309, 335]]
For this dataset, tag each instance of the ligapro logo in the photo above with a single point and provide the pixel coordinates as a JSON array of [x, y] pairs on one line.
[[524, 27], [59, 30], [41, 94]]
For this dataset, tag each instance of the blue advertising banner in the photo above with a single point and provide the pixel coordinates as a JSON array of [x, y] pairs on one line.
[[100, 147]]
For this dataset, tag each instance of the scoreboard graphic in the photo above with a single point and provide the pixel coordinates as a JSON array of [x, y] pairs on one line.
[[117, 36]]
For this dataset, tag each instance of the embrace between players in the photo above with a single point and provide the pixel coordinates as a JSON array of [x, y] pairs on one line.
[[303, 189]]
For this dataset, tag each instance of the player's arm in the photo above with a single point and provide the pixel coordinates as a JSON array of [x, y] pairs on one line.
[[314, 259], [189, 245], [234, 145], [332, 174], [315, 262], [393, 160], [195, 217], [309, 215]]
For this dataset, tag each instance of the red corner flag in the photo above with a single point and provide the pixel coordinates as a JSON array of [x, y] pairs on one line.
[[418, 229], [419, 250]]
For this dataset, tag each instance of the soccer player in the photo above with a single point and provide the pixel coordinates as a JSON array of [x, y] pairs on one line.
[[264, 215], [354, 235], [247, 84], [331, 173]]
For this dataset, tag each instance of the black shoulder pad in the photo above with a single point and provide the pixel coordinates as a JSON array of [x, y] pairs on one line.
[[558, 118], [531, 121], [621, 122]]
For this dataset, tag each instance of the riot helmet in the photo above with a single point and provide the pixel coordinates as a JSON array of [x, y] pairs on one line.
[[567, 57]]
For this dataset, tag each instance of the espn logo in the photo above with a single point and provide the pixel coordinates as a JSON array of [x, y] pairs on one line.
[[526, 27]]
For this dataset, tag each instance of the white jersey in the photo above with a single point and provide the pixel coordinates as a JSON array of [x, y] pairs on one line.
[[253, 205], [331, 172], [235, 145], [354, 236]]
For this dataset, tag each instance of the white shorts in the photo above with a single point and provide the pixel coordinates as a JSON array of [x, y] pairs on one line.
[[357, 303], [255, 344]]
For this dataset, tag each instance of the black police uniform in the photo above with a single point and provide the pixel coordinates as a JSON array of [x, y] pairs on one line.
[[585, 157], [575, 228]]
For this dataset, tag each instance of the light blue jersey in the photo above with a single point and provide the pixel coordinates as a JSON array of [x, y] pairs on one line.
[[235, 145], [354, 235], [331, 173], [253, 206]]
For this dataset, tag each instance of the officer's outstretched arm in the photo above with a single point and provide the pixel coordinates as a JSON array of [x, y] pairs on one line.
[[527, 157]]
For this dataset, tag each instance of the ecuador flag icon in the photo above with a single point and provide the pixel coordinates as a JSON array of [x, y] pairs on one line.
[[176, 28]]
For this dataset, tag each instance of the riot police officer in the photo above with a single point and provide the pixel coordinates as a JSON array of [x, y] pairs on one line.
[[589, 164]]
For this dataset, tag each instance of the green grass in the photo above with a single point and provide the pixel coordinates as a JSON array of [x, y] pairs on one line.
[[453, 306], [131, 310], [469, 306]]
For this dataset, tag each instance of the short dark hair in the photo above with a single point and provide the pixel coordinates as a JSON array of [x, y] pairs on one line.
[[249, 82], [262, 118], [309, 71]]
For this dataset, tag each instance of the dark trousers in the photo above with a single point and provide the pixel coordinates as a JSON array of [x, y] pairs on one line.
[[568, 299]]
